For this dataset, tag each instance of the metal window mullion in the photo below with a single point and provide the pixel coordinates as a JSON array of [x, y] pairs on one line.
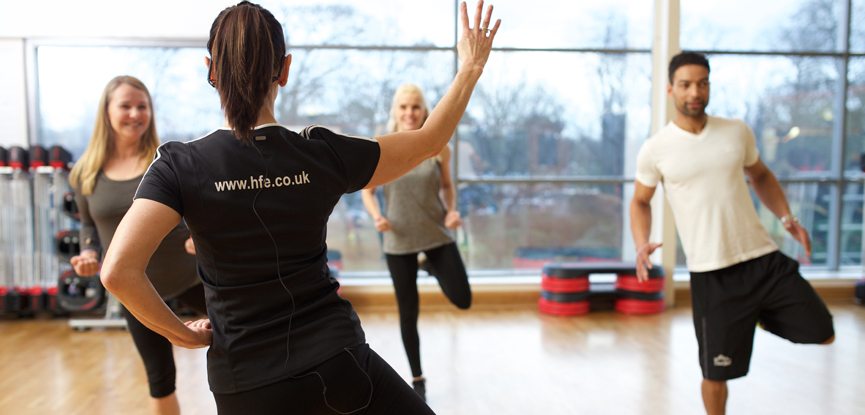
[[31, 75], [805, 54], [839, 139], [549, 180]]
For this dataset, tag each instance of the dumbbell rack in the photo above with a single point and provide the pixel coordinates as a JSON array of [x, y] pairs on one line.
[[112, 319], [51, 184], [33, 186], [18, 277]]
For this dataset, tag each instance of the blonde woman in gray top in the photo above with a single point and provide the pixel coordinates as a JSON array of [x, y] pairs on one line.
[[418, 217], [105, 178]]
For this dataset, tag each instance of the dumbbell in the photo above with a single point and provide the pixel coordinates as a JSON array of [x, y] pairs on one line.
[[68, 244], [70, 207], [77, 293]]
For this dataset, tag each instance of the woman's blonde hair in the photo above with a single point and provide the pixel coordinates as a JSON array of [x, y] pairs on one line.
[[83, 175], [402, 90]]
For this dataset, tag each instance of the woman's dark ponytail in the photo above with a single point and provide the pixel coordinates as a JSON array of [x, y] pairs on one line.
[[247, 48]]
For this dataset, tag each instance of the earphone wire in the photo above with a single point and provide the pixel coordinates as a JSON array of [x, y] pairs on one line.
[[293, 309], [276, 253]]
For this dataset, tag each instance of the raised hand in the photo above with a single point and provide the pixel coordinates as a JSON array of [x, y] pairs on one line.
[[476, 42]]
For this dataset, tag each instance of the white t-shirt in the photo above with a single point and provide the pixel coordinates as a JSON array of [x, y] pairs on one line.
[[704, 179]]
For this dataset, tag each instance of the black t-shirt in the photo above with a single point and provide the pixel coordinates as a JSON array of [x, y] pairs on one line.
[[258, 214]]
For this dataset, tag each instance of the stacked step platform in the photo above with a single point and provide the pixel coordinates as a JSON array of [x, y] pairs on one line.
[[567, 291]]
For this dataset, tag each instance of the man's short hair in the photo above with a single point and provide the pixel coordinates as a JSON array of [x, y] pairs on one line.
[[687, 58]]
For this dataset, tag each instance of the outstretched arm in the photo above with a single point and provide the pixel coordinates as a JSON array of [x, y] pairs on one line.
[[402, 151], [769, 191]]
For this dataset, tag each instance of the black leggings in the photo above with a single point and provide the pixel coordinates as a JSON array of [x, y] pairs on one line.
[[446, 265], [155, 350], [357, 381]]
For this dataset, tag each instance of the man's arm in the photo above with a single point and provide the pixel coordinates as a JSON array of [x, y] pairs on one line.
[[641, 225], [772, 195]]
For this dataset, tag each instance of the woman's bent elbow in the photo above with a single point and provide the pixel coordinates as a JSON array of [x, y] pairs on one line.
[[109, 278]]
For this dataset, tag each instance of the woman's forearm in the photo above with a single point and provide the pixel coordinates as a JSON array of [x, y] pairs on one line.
[[137, 294], [370, 203], [136, 238], [449, 194]]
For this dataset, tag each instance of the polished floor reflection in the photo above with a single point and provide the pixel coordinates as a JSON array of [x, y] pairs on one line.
[[509, 361]]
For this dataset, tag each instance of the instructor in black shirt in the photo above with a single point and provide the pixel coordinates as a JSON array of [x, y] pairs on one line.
[[256, 198]]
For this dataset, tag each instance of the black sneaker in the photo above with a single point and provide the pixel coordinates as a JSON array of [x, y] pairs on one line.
[[420, 387]]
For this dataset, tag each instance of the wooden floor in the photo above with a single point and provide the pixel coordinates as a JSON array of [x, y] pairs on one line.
[[478, 362]]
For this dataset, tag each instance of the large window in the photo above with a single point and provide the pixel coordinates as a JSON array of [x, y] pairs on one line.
[[544, 156], [789, 81], [777, 26], [554, 111], [857, 27]]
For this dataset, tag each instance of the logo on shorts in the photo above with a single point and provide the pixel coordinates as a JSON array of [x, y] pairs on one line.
[[721, 360]]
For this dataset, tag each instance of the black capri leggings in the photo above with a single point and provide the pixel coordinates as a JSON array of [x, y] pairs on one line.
[[357, 382], [446, 265], [155, 350]]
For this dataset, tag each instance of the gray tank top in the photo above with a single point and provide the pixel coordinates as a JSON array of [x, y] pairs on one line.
[[415, 211]]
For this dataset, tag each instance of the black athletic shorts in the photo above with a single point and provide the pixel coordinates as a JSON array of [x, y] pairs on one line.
[[730, 302]]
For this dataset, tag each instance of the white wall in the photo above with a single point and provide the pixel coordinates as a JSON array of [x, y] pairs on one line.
[[102, 18], [13, 103]]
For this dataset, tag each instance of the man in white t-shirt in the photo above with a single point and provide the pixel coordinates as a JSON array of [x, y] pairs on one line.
[[738, 276]]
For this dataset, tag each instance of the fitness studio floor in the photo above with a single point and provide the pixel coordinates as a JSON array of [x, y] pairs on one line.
[[484, 361]]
